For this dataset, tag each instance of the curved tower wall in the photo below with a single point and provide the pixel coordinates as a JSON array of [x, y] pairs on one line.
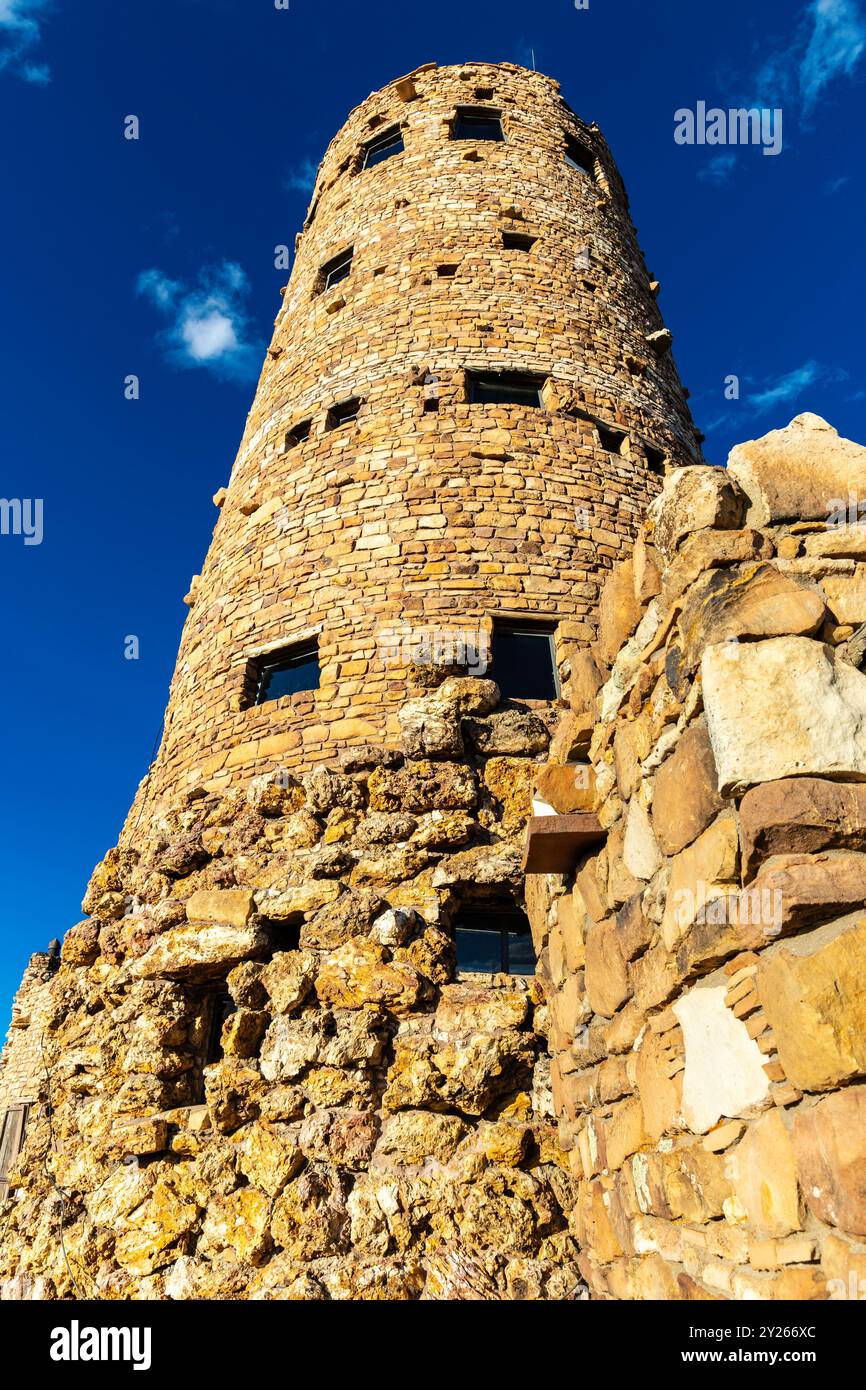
[[433, 517]]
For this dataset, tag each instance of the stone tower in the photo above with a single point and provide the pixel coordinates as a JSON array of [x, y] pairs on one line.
[[380, 488], [303, 999]]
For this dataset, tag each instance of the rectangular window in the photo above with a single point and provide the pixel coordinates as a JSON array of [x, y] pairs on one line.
[[285, 672], [655, 459], [333, 271], [494, 939], [297, 434], [446, 270], [11, 1142], [343, 412], [504, 388], [477, 123], [388, 143], [518, 241], [613, 440], [578, 157], [524, 660]]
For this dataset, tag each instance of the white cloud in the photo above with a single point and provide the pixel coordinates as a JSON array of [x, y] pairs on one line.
[[771, 392], [20, 32], [719, 168], [302, 178], [835, 46], [208, 323]]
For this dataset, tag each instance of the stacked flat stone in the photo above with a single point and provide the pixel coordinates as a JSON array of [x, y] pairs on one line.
[[407, 515]]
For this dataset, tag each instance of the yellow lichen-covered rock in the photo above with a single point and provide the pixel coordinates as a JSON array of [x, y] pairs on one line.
[[362, 972]]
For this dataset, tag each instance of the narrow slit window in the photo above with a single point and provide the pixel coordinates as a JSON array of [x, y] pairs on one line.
[[504, 388], [389, 143], [477, 123], [524, 660], [297, 434], [333, 271], [494, 939], [220, 1007], [343, 412], [612, 440], [518, 241], [285, 672], [655, 459], [577, 156]]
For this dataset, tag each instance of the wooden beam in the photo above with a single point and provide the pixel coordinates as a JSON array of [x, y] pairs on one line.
[[555, 843]]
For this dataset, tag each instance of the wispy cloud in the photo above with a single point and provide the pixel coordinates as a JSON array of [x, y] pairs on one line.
[[835, 184], [829, 39], [20, 32], [835, 46], [719, 168], [302, 177], [208, 323], [767, 393]]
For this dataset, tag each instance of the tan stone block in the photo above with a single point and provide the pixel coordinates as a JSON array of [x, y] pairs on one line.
[[607, 977], [830, 1149], [685, 793], [764, 1177]]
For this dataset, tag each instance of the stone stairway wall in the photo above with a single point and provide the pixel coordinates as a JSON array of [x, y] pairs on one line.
[[706, 968]]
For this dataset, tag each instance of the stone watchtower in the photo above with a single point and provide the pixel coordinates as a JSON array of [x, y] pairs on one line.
[[304, 996], [466, 407]]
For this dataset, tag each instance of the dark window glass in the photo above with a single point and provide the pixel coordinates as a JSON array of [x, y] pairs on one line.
[[388, 143], [287, 671], [504, 388], [338, 269], [610, 439], [518, 241], [477, 124], [343, 412], [523, 662], [578, 157], [494, 940], [298, 434], [655, 460]]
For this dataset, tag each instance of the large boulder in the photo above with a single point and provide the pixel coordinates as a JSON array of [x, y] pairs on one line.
[[803, 472], [696, 498]]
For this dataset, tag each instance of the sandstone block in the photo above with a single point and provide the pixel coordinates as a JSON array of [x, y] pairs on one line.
[[812, 993], [618, 611], [764, 1177], [199, 950], [231, 907], [803, 472], [801, 814], [685, 794], [695, 499], [830, 1149], [783, 708], [724, 1073]]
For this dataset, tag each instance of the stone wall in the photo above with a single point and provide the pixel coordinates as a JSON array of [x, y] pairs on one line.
[[420, 517], [706, 966], [377, 1126]]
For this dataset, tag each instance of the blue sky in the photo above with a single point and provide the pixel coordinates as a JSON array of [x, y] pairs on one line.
[[155, 258]]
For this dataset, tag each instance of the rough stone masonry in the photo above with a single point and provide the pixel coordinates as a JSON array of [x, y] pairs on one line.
[[255, 1071]]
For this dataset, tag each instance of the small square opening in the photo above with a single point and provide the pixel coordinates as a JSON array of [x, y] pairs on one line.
[[297, 434], [524, 660], [612, 440], [447, 270], [285, 672], [335, 270], [477, 123], [343, 412], [518, 241], [656, 459], [389, 143], [577, 156]]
